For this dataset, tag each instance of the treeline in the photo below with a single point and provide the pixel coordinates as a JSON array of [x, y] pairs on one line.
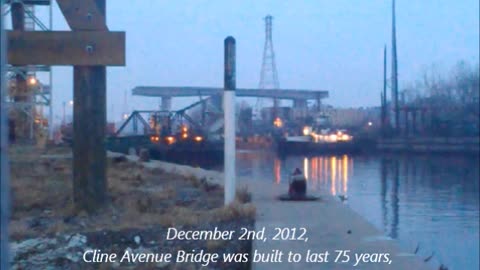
[[451, 100]]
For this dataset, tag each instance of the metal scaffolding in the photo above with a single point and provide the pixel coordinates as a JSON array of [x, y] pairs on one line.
[[29, 88]]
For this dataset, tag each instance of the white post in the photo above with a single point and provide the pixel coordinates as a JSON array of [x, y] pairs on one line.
[[229, 119], [4, 170]]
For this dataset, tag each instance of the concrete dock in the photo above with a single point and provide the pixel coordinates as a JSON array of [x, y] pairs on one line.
[[330, 226]]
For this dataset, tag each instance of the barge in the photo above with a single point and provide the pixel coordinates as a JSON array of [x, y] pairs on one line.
[[322, 142]]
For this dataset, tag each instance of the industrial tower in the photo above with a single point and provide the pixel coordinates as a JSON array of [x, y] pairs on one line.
[[268, 74], [28, 97]]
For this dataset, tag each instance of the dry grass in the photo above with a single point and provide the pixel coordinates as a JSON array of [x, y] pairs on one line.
[[138, 197]]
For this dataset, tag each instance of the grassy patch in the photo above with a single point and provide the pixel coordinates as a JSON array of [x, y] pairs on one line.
[[137, 197]]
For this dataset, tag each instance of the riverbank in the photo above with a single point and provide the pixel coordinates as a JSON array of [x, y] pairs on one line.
[[470, 145], [145, 200]]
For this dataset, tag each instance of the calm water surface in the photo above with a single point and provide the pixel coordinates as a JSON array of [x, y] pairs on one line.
[[426, 201]]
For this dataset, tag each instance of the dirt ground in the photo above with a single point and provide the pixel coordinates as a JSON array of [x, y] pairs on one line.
[[139, 198]]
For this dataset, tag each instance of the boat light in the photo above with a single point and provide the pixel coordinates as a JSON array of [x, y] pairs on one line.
[[307, 130], [170, 139]]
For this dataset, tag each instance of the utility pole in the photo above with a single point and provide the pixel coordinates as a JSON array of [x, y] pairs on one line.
[[395, 72], [384, 93], [268, 74], [4, 167], [229, 119]]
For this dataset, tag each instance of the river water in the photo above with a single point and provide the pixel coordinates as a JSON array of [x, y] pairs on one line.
[[429, 202]]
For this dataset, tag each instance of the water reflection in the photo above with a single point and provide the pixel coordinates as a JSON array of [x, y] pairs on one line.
[[389, 168], [277, 167], [431, 200]]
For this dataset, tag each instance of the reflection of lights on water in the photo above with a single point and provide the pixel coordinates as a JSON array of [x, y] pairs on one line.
[[277, 165], [305, 167], [321, 168], [333, 174], [345, 174], [325, 166], [330, 172]]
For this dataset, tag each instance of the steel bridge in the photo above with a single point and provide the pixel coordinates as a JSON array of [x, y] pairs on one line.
[[299, 96]]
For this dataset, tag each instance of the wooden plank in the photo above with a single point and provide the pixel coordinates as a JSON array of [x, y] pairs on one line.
[[86, 48], [83, 15], [31, 2]]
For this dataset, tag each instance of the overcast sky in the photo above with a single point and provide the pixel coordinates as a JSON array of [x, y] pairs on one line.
[[319, 44]]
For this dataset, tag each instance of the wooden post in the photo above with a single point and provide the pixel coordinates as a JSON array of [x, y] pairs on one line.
[[229, 119], [89, 48], [89, 123]]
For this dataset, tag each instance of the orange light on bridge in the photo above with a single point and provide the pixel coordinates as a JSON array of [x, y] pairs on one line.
[[170, 139], [198, 138], [32, 81], [184, 135], [278, 122]]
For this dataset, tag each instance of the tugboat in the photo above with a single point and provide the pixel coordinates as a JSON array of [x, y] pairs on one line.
[[317, 142]]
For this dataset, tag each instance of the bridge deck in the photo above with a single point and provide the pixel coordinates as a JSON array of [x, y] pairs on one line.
[[293, 94]]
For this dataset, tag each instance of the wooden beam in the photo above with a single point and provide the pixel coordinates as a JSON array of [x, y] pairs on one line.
[[83, 15], [31, 2], [89, 122], [88, 48], [90, 119]]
